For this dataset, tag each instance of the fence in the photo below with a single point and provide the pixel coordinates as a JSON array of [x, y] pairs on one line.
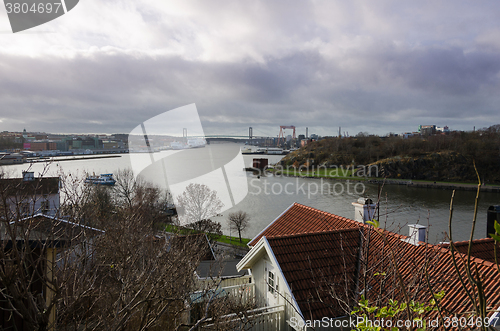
[[260, 319]]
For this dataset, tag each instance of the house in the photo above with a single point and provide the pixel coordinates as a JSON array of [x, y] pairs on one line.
[[29, 196], [30, 249], [316, 266], [215, 276]]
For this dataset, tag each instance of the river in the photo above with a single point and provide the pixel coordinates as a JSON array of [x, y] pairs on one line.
[[269, 196]]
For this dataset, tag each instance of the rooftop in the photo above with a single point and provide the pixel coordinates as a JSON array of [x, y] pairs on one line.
[[318, 265], [481, 248], [299, 219], [319, 254], [36, 186]]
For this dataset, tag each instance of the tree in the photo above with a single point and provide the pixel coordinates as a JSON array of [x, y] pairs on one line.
[[98, 270], [198, 202], [238, 220]]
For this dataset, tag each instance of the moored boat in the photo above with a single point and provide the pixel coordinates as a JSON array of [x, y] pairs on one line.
[[103, 179]]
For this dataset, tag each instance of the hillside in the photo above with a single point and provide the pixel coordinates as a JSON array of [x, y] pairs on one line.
[[438, 158]]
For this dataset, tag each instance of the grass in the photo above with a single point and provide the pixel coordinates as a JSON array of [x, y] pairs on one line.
[[324, 173], [234, 241], [223, 239], [350, 174]]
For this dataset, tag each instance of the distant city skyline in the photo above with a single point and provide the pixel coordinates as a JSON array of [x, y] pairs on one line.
[[375, 67]]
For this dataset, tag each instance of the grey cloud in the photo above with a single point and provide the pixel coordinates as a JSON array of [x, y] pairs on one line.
[[121, 89]]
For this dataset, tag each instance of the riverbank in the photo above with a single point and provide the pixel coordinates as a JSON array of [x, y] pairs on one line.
[[438, 185], [72, 158], [349, 174]]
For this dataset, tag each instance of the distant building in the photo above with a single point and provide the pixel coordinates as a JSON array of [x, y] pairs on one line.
[[426, 130], [443, 129], [40, 145], [11, 158], [407, 135]]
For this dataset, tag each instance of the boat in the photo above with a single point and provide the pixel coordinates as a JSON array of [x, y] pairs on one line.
[[103, 179], [191, 143], [178, 145], [248, 151], [274, 151], [197, 143]]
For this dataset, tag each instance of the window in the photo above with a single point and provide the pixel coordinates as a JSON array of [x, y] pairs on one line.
[[270, 281], [25, 209], [45, 207]]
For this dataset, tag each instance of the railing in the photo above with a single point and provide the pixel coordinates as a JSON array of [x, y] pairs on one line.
[[245, 292], [228, 282], [260, 319]]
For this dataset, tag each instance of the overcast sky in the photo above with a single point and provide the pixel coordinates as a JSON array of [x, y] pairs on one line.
[[374, 66]]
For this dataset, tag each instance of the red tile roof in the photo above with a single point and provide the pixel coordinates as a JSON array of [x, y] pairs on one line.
[[414, 262], [306, 258], [303, 219], [315, 265], [481, 248]]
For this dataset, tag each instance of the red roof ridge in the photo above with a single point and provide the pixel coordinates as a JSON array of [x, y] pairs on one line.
[[466, 242], [447, 251], [310, 233]]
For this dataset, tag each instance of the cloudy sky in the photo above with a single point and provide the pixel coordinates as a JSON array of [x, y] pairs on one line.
[[374, 66]]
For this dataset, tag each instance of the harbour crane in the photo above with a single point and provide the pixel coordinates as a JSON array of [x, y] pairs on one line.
[[282, 133]]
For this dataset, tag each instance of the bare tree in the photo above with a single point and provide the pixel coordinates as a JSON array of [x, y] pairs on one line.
[[197, 203], [123, 276], [238, 220]]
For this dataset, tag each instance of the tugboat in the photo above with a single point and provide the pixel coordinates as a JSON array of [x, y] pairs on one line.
[[103, 179]]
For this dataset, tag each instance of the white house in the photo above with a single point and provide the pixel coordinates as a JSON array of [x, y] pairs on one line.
[[29, 196], [310, 268], [296, 259]]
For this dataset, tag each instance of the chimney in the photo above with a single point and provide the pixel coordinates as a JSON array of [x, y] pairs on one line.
[[416, 234], [28, 176], [364, 210], [492, 216]]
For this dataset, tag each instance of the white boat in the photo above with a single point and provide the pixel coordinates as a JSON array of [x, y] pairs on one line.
[[196, 143], [248, 150], [274, 151], [178, 145], [103, 179]]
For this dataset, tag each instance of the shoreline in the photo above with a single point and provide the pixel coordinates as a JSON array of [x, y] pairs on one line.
[[73, 158], [409, 182]]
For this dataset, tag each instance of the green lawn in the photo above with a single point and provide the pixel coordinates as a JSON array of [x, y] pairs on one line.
[[234, 241], [351, 175], [323, 173], [224, 239]]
